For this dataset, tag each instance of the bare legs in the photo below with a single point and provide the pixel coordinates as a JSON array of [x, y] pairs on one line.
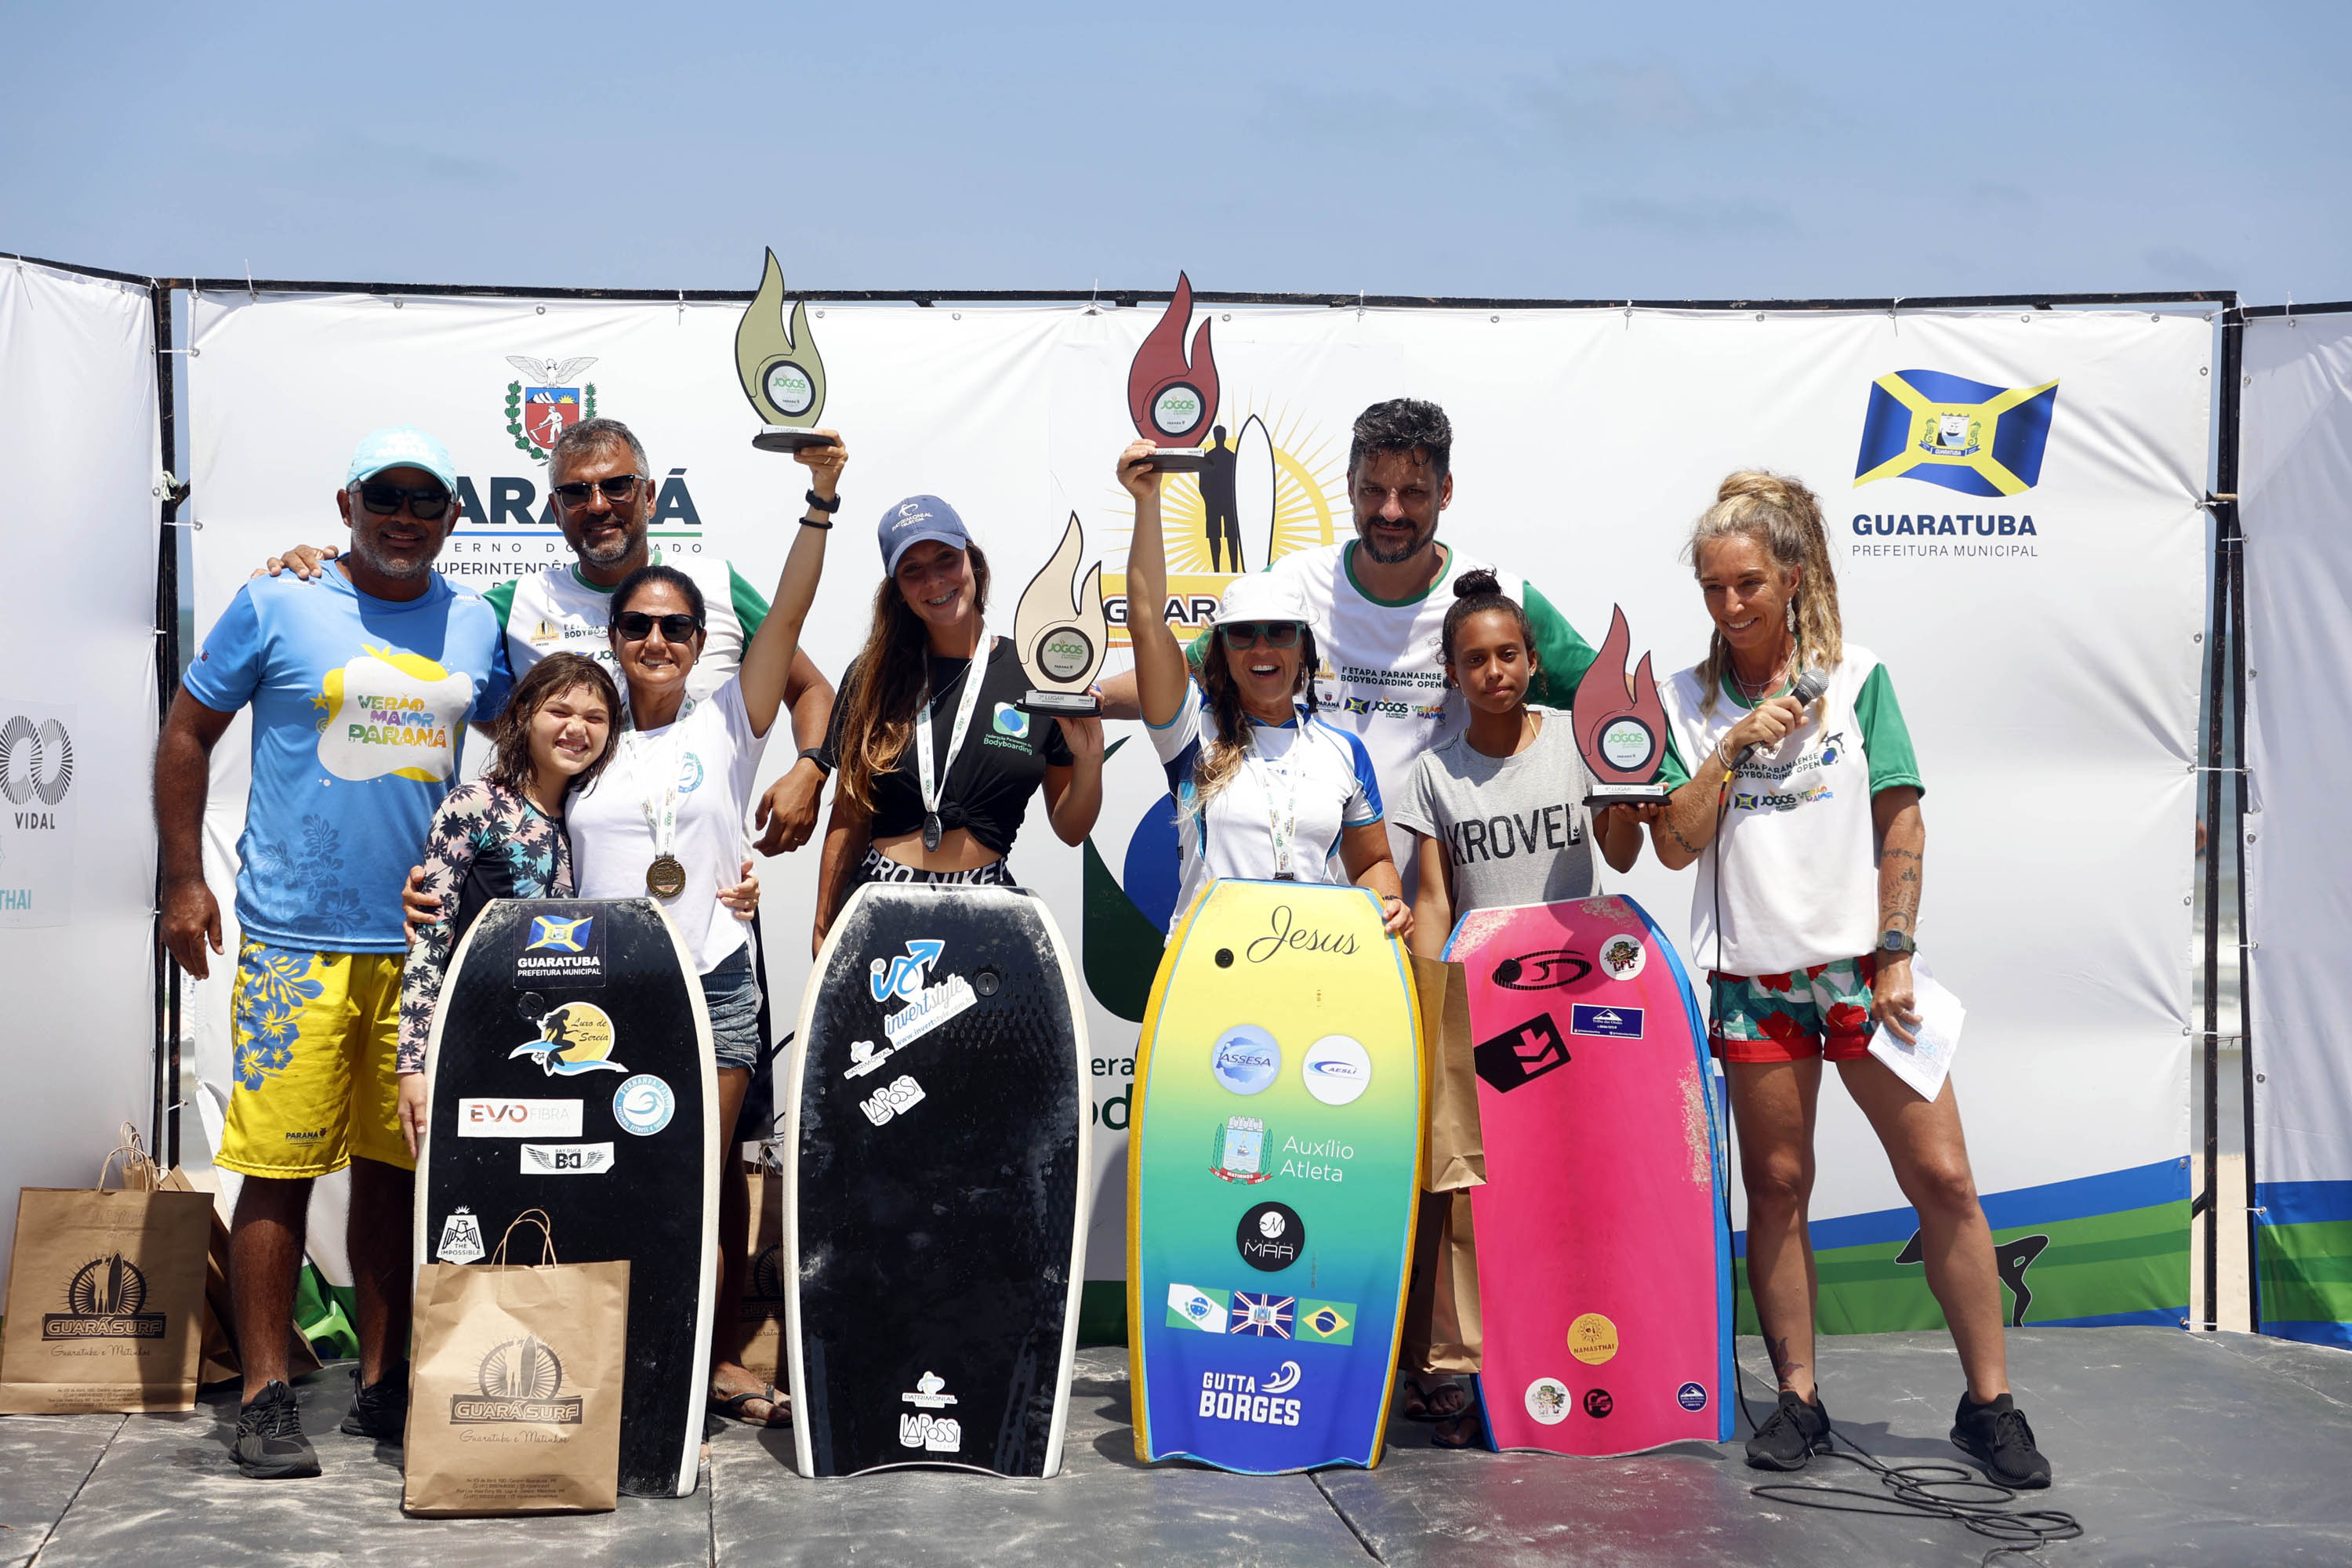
[[1773, 1105], [378, 1233], [728, 1374], [265, 1254]]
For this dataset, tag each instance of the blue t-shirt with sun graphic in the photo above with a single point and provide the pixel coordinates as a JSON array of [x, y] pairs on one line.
[[360, 707]]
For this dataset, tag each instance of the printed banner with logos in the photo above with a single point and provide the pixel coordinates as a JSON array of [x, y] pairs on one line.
[[2014, 504], [78, 469], [2295, 488]]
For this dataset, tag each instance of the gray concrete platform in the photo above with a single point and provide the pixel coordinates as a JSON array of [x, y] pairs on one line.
[[2170, 1448]]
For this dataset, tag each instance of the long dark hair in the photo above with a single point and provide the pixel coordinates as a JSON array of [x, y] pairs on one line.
[[885, 684], [1222, 756], [510, 765]]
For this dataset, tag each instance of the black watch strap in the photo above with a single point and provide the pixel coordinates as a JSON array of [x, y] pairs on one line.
[[815, 754], [821, 504]]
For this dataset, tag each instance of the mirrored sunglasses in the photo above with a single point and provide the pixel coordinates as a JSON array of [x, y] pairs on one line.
[[617, 488]]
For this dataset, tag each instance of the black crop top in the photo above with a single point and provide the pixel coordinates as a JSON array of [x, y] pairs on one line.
[[1005, 754]]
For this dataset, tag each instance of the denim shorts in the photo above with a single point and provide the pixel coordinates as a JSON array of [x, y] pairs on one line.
[[730, 993]]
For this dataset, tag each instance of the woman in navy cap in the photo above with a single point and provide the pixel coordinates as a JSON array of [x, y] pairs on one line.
[[935, 759]]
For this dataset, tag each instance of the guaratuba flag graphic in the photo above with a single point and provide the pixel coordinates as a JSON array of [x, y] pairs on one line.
[[1947, 430]]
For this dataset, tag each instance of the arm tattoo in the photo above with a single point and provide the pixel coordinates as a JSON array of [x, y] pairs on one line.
[[1667, 817]]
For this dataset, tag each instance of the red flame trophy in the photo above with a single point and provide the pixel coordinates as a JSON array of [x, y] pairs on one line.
[[1061, 632], [782, 374], [1621, 725], [1172, 397]]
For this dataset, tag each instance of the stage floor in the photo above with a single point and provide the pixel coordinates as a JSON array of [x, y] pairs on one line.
[[2169, 1448]]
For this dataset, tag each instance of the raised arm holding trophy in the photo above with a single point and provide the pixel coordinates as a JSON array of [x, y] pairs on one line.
[[783, 375]]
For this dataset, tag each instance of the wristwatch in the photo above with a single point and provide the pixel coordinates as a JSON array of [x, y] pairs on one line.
[[815, 754], [1896, 944]]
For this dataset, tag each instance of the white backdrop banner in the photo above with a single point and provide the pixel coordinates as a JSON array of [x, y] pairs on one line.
[[2034, 580], [2294, 487], [78, 430]]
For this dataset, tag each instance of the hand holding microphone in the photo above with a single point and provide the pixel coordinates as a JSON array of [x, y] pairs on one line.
[[1772, 720]]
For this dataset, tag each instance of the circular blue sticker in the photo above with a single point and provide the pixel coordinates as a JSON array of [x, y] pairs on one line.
[[644, 1105], [1245, 1060], [1691, 1396]]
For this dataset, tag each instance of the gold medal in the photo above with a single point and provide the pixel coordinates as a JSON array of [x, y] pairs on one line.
[[666, 878]]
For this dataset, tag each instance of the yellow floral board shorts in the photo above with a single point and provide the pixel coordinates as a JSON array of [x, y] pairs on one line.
[[313, 1039]]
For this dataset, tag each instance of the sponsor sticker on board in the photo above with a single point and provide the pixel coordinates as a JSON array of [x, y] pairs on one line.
[[1337, 1070], [488, 1117], [561, 948], [643, 1105], [1609, 1023], [565, 1159], [461, 1238]]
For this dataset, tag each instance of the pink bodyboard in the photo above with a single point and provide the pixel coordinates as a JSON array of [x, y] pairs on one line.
[[1604, 1258]]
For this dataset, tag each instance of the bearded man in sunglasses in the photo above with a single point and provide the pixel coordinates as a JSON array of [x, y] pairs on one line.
[[361, 687], [602, 486]]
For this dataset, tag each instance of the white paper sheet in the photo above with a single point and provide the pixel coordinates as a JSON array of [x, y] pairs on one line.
[[1923, 1064]]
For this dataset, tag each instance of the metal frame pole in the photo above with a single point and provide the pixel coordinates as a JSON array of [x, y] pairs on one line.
[[2208, 1196], [2229, 555], [165, 1136]]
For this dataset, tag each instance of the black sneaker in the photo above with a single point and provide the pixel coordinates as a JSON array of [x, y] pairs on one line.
[[379, 1410], [1996, 1437], [269, 1442], [1794, 1433]]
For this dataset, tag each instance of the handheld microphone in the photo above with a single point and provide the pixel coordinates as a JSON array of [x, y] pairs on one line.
[[1808, 689]]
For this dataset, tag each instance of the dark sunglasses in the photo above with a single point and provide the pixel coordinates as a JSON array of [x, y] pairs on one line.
[[1249, 634], [635, 626], [426, 503], [617, 488]]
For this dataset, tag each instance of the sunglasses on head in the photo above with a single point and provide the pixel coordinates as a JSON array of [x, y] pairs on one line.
[[617, 488], [1249, 634], [426, 503], [635, 626]]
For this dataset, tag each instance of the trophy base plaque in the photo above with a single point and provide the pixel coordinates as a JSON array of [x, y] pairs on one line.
[[1627, 795], [1179, 461], [1061, 705], [790, 439]]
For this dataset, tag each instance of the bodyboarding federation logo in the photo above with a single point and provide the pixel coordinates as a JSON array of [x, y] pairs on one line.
[[520, 1380], [1947, 430], [536, 414], [102, 1302]]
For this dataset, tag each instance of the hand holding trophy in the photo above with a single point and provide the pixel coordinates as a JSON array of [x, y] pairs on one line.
[[1061, 632], [1621, 725]]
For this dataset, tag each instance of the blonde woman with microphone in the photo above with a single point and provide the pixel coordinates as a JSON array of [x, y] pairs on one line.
[[1804, 816]]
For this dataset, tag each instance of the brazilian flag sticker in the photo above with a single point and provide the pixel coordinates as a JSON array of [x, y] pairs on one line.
[[1325, 1322]]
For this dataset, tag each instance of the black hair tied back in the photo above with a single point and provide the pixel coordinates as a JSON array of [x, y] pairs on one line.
[[1475, 593]]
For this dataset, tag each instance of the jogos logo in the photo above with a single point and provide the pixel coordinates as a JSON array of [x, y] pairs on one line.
[[1963, 435], [520, 1380]]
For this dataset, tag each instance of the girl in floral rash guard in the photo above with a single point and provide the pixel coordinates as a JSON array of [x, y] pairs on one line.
[[502, 837]]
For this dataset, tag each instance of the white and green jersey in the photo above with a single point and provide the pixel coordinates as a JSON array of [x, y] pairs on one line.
[[1383, 669], [557, 610]]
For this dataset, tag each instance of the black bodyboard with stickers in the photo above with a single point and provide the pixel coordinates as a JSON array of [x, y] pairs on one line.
[[570, 1070], [935, 1211]]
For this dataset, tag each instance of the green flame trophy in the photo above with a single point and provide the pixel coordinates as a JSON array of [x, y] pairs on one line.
[[1621, 725], [782, 374], [1061, 632]]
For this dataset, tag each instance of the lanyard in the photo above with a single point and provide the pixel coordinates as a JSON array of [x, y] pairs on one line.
[[1281, 824], [659, 799], [933, 782]]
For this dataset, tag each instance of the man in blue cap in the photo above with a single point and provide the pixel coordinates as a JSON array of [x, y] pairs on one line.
[[360, 685]]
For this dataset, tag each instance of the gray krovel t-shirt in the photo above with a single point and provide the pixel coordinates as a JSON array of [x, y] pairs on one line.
[[1514, 828]]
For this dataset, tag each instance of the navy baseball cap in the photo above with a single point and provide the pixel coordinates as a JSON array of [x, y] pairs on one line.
[[913, 520]]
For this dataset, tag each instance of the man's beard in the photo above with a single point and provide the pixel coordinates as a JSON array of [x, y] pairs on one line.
[[397, 569], [1391, 557], [610, 554]]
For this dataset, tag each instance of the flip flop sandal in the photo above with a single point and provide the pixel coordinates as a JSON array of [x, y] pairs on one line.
[[1431, 1397], [732, 1407]]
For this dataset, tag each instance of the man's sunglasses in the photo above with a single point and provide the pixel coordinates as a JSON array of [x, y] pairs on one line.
[[635, 626], [426, 503], [617, 489], [1249, 634]]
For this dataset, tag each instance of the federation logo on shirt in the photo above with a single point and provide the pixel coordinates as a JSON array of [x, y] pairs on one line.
[[1966, 436]]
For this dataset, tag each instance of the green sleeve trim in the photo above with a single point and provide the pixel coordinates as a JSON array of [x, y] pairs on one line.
[[501, 601], [1885, 738], [1671, 772], [751, 606], [1562, 656]]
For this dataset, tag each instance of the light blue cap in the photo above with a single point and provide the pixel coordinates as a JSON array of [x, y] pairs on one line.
[[401, 446], [913, 520]]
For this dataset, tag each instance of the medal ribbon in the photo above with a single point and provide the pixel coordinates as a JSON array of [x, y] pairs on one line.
[[933, 782], [660, 804], [1281, 826]]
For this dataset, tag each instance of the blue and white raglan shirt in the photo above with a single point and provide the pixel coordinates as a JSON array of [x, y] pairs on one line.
[[1233, 837]]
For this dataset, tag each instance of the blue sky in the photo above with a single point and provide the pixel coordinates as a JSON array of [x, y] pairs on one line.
[[1685, 151]]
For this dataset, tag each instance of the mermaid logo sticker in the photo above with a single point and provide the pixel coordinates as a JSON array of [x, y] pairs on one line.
[[575, 1038]]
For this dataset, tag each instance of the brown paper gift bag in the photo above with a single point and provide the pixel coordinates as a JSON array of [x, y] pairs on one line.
[[220, 1361], [106, 1295], [764, 1279], [514, 1402], [1441, 1331]]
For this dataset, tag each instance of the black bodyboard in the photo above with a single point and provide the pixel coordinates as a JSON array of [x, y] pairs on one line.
[[570, 1070], [934, 1211]]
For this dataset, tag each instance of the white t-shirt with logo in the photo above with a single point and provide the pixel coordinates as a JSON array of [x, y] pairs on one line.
[[1798, 849], [1233, 835], [557, 610], [613, 844]]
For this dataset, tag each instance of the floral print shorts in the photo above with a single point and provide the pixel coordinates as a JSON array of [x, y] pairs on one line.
[[1823, 1011], [312, 1037]]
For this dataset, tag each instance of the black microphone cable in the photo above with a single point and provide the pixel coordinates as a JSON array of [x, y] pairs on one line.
[[1904, 1491]]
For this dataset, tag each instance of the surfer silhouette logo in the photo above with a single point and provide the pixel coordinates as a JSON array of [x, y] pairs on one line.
[[102, 1302], [575, 1038], [1520, 1054], [903, 976], [1542, 971], [2010, 1260], [1271, 1238], [519, 1381]]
